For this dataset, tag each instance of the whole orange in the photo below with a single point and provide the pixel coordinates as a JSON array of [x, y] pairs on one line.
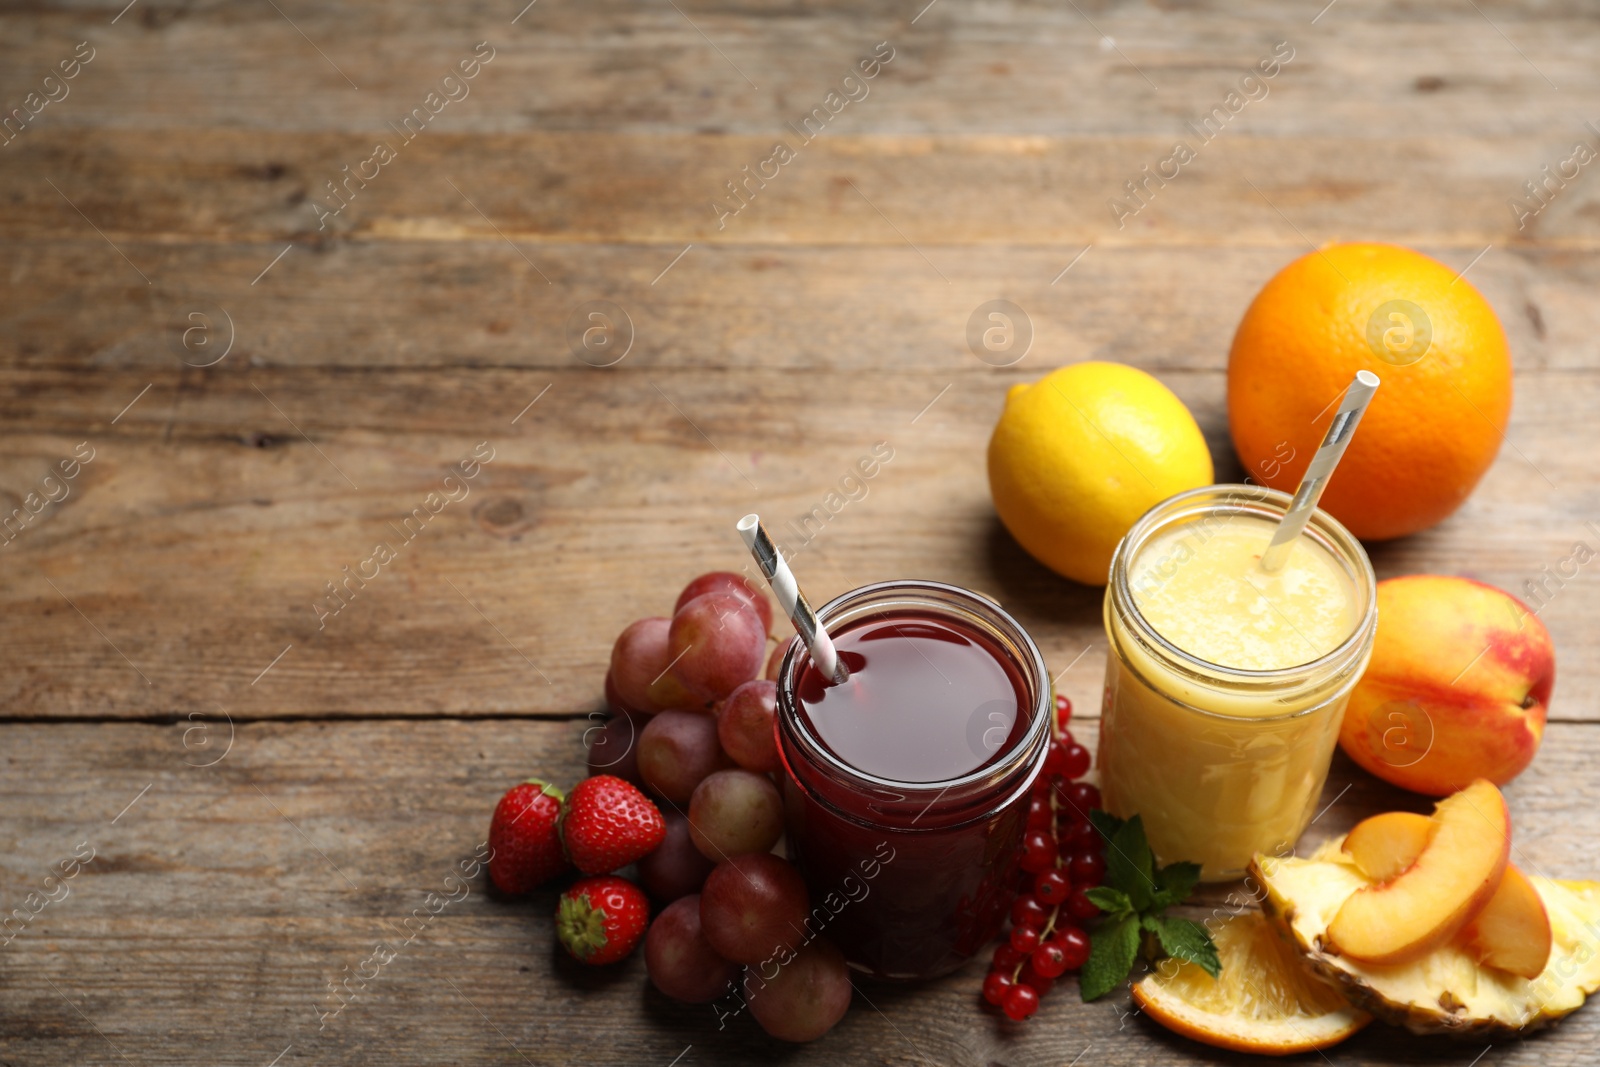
[[1434, 425]]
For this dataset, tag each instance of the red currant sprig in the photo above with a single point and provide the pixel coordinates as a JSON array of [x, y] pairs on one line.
[[1065, 856]]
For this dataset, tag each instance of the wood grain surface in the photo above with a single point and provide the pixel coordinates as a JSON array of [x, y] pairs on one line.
[[167, 602]]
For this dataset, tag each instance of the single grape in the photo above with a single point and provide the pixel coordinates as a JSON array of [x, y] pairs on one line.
[[752, 905], [614, 749], [733, 812], [728, 582], [775, 662], [802, 999], [681, 962], [996, 986], [1027, 911], [715, 645], [1021, 1002], [1038, 852], [676, 868], [1052, 886], [639, 673], [1024, 938], [745, 726], [1074, 945], [1088, 868], [614, 699], [677, 749]]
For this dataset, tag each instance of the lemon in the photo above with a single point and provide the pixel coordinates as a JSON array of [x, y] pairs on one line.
[[1079, 455]]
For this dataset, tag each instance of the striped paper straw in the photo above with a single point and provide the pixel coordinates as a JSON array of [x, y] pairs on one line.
[[1356, 398], [793, 602]]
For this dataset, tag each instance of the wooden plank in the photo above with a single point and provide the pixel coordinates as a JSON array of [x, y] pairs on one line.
[[201, 535], [217, 908], [78, 306], [144, 188], [1035, 68]]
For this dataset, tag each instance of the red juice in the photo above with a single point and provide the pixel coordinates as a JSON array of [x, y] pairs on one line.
[[906, 786], [927, 699]]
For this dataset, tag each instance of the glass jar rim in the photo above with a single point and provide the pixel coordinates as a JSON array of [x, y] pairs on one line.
[[1232, 498], [1031, 665]]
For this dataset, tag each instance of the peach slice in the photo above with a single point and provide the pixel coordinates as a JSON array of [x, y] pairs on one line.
[[1512, 932], [1385, 845], [1456, 874]]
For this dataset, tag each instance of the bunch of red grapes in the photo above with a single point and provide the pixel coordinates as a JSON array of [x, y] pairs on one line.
[[694, 729], [1062, 855]]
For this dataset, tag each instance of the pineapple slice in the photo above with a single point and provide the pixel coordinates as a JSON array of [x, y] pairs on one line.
[[1446, 991]]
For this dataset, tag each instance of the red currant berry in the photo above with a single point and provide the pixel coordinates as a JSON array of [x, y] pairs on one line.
[[1052, 886], [996, 986], [1055, 758], [1077, 764], [1088, 868], [1038, 852], [1021, 1002], [1063, 713], [1083, 797], [1008, 959], [1024, 938], [1081, 907], [1083, 837], [1048, 960], [1027, 911], [1074, 945], [1039, 814], [1036, 981]]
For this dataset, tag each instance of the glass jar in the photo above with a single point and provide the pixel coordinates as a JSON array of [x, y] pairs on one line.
[[1220, 762], [910, 879]]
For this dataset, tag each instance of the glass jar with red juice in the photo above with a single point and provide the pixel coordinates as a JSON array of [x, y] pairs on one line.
[[906, 786]]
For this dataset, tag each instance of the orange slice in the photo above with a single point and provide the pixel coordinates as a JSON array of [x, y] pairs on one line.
[[1264, 1002]]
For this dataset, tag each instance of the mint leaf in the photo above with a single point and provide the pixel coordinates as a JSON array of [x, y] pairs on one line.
[[1129, 865], [1110, 901], [1112, 948], [1175, 881], [1187, 940], [1105, 822]]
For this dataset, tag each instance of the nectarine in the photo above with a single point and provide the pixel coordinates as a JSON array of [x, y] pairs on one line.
[[1457, 688], [1385, 845], [1428, 902], [1512, 932]]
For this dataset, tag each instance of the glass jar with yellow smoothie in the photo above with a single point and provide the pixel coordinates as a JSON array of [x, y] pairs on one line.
[[1226, 684]]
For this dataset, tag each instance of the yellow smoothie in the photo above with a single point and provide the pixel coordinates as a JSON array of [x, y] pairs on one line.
[[1204, 590], [1224, 694]]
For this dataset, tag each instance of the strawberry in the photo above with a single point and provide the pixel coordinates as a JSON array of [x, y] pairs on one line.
[[525, 849], [600, 920], [607, 823]]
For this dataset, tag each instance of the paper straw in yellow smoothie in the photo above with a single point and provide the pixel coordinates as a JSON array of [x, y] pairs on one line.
[[1334, 442]]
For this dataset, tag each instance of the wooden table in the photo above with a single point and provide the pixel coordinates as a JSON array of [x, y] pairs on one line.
[[268, 388]]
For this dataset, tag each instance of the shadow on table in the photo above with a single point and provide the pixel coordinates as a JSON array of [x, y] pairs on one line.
[[1031, 591]]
